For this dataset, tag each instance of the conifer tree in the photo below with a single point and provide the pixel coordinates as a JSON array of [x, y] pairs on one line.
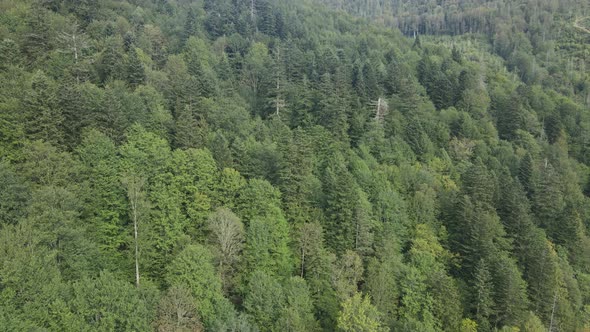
[[43, 117], [135, 70], [340, 200], [267, 246]]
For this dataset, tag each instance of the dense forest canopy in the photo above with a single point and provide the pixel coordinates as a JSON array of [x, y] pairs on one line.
[[313, 165]]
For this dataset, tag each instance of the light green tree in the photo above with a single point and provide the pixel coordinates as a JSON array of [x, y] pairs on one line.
[[267, 245], [359, 315], [193, 269]]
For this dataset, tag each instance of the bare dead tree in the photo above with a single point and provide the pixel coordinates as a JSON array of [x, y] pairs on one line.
[[139, 206], [73, 41], [553, 311], [227, 233], [177, 312], [381, 109]]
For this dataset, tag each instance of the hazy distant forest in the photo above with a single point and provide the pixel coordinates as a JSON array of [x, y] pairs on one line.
[[295, 165]]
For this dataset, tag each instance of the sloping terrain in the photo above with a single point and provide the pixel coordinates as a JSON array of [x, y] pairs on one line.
[[255, 165]]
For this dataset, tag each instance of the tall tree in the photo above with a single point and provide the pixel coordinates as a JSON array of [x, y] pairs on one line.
[[297, 312], [548, 201], [177, 311], [227, 233], [267, 246], [14, 195], [358, 314], [264, 300], [43, 118], [138, 210], [340, 201], [193, 270], [135, 72], [103, 304]]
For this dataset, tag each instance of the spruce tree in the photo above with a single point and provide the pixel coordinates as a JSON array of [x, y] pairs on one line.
[[135, 72], [43, 117]]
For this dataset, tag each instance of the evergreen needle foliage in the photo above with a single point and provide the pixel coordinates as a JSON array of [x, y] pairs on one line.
[[279, 165]]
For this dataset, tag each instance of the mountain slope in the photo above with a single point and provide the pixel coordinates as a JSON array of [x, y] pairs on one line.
[[253, 165]]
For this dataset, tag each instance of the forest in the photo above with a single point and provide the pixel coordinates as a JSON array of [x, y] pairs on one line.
[[291, 166]]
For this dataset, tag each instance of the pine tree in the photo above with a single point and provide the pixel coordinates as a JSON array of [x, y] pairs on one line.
[[296, 180], [190, 131], [476, 233], [43, 118], [333, 113], [364, 225], [9, 54], [479, 184], [14, 195], [340, 201], [417, 138], [190, 25], [510, 294], [297, 312], [105, 208], [219, 147], [71, 102], [135, 71], [383, 275], [483, 301], [548, 201], [526, 174], [510, 117], [36, 43], [317, 266], [267, 246], [110, 64]]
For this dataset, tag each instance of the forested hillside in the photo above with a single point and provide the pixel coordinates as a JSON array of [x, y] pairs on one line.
[[258, 165]]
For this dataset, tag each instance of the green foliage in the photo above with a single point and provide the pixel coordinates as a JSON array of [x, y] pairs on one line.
[[358, 314], [43, 117], [532, 323], [340, 200], [276, 307], [267, 246], [14, 195], [27, 295], [105, 206], [297, 314], [264, 300], [193, 269], [107, 304], [283, 166], [135, 71]]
